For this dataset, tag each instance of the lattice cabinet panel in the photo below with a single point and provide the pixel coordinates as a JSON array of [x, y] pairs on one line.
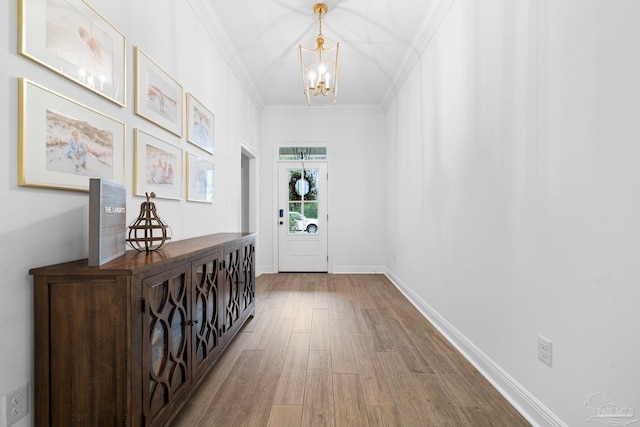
[[233, 290], [208, 278], [248, 275], [167, 308]]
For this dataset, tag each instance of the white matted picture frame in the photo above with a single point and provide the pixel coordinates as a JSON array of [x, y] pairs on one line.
[[74, 40], [62, 143], [200, 124], [158, 96], [199, 179], [157, 167]]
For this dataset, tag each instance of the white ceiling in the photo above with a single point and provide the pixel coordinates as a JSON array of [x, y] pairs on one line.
[[375, 36]]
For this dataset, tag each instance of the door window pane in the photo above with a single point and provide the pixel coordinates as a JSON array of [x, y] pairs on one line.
[[303, 201]]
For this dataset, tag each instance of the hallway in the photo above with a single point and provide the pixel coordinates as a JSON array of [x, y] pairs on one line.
[[342, 350]]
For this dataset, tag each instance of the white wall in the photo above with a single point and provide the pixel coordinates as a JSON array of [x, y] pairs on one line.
[[40, 227], [514, 145], [355, 140]]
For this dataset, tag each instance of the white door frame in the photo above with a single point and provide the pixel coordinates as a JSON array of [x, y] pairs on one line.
[[274, 215], [251, 154]]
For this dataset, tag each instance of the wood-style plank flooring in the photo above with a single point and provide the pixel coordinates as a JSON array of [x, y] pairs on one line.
[[342, 350]]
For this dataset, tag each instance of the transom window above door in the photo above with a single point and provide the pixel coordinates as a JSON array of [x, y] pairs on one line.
[[302, 153]]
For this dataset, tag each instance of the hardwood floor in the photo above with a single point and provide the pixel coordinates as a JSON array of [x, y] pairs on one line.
[[342, 350]]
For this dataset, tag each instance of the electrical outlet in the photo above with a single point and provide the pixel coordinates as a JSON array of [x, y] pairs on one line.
[[17, 404], [544, 350]]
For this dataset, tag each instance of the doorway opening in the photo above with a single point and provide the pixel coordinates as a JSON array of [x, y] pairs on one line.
[[302, 209], [248, 190]]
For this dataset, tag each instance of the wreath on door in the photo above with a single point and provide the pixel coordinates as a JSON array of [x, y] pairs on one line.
[[302, 185]]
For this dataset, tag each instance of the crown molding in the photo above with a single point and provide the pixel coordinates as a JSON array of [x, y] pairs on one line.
[[428, 29], [215, 29]]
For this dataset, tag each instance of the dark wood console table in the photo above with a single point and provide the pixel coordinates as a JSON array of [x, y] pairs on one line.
[[125, 343]]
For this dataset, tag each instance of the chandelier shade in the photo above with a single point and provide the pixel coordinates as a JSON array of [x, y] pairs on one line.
[[319, 64]]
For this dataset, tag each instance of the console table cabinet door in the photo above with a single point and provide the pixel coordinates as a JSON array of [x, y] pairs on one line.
[[239, 286], [232, 294], [166, 347], [206, 337], [248, 278]]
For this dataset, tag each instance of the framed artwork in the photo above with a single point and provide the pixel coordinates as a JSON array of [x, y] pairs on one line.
[[157, 167], [158, 96], [72, 39], [199, 179], [200, 124], [62, 143]]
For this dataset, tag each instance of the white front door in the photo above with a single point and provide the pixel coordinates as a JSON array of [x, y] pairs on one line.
[[302, 216]]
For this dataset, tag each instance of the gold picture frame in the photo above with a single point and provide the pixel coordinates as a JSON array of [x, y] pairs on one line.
[[199, 179], [63, 143], [157, 167], [74, 40], [158, 96], [200, 124]]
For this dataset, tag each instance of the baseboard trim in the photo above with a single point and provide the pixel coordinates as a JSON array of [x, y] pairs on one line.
[[357, 269], [265, 269], [524, 402], [336, 269]]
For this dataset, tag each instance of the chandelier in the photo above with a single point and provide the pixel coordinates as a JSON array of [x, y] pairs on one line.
[[319, 62]]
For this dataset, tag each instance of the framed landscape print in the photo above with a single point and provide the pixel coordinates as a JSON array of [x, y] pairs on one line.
[[200, 124], [158, 96], [199, 179], [157, 167], [62, 143], [72, 39]]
